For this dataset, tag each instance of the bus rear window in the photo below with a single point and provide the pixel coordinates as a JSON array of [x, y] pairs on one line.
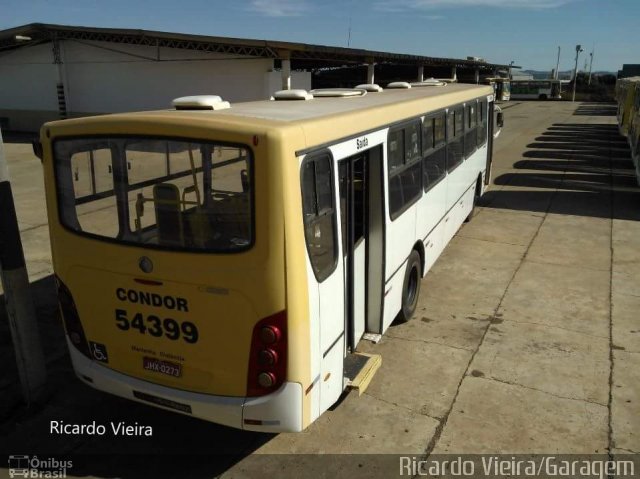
[[173, 194]]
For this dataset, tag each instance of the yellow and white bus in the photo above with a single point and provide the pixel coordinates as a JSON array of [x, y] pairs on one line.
[[628, 100], [224, 261]]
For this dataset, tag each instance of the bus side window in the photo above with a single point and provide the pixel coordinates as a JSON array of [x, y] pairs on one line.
[[404, 156], [455, 138], [318, 206], [482, 122], [434, 151], [470, 136]]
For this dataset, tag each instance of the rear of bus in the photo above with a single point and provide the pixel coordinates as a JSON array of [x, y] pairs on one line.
[[168, 245]]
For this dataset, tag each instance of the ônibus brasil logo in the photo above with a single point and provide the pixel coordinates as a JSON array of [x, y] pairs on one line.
[[34, 467]]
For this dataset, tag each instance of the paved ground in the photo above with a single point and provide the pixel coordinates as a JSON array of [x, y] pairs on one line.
[[526, 338]]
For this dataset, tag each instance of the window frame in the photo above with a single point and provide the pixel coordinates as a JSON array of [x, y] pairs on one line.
[[125, 188], [403, 125], [468, 129], [453, 109], [314, 157], [436, 147], [483, 111]]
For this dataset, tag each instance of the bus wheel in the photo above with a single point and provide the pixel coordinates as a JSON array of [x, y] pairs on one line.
[[411, 287], [542, 97]]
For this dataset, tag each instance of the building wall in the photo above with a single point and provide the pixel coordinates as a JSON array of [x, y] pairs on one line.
[[629, 70], [28, 80], [101, 77]]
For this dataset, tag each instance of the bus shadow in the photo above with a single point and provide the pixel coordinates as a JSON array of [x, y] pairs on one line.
[[19, 137], [596, 109], [180, 446], [574, 169]]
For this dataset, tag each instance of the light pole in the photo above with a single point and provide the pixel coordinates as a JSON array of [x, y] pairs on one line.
[[575, 72], [590, 65], [557, 65], [510, 65]]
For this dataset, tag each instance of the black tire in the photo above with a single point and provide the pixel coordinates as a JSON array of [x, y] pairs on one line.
[[543, 97], [410, 287]]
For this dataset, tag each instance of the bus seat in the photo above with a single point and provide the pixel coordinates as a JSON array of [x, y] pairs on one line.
[[200, 226], [166, 200]]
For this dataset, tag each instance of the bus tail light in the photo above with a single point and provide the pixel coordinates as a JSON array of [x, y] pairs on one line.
[[71, 319], [268, 355]]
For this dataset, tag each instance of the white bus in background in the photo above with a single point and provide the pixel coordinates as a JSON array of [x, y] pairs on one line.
[[536, 89]]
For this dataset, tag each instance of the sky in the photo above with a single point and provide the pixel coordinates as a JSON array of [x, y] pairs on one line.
[[527, 32]]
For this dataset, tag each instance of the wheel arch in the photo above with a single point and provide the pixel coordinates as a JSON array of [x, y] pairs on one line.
[[419, 247]]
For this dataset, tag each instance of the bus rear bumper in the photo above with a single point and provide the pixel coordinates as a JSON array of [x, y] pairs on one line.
[[280, 411]]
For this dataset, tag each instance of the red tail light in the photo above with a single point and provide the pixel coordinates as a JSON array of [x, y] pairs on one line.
[[268, 356], [71, 319]]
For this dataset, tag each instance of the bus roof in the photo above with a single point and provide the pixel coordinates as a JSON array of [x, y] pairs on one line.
[[317, 116]]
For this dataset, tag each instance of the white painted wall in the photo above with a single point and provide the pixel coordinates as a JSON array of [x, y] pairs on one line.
[[102, 77], [273, 81], [100, 80], [28, 79]]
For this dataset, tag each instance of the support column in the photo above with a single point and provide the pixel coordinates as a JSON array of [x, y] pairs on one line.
[[60, 90], [285, 56], [420, 73], [286, 74], [371, 71], [476, 75], [454, 75]]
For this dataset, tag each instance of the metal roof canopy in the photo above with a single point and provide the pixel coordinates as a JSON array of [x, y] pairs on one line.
[[302, 55]]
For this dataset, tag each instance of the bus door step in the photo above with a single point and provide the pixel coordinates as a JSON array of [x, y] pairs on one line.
[[359, 369], [373, 337]]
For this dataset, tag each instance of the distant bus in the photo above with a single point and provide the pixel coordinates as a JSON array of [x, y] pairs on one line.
[[501, 87], [224, 261], [536, 89]]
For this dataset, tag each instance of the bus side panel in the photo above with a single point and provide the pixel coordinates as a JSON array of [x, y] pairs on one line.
[[314, 331], [433, 246], [456, 184], [431, 209], [401, 234], [300, 349], [314, 343], [393, 296]]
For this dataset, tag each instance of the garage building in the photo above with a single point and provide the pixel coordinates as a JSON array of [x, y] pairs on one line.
[[54, 71]]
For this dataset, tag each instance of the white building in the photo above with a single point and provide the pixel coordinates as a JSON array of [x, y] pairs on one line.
[[49, 72]]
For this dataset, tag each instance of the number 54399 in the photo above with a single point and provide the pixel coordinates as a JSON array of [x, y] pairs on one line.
[[157, 327]]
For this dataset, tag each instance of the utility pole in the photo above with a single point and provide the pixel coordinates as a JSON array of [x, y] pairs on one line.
[[17, 298], [590, 65], [557, 64], [575, 72]]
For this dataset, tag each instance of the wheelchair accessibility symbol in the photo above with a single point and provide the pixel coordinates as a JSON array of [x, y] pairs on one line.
[[99, 352]]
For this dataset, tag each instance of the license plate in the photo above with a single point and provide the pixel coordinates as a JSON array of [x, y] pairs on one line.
[[163, 367]]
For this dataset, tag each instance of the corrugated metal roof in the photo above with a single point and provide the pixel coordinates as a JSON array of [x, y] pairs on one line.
[[313, 56]]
